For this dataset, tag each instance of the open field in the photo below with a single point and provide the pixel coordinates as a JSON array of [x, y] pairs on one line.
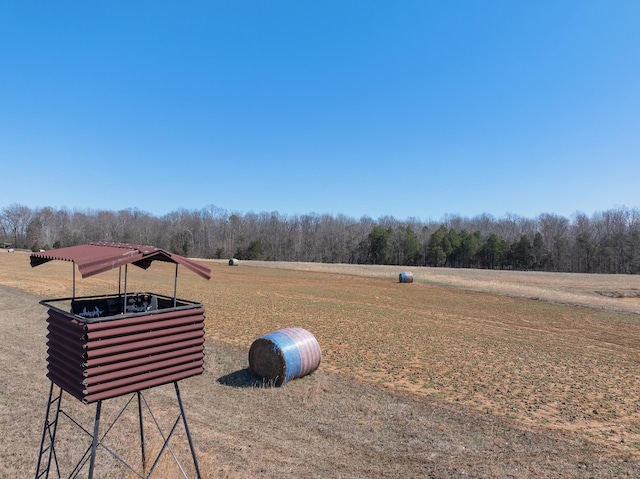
[[462, 373]]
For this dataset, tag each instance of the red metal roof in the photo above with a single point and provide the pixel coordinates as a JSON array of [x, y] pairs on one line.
[[94, 258]]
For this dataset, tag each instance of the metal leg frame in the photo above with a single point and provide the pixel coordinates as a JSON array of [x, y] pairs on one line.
[[49, 437], [47, 449]]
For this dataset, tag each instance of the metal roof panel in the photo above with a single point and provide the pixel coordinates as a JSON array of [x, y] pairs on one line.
[[95, 258]]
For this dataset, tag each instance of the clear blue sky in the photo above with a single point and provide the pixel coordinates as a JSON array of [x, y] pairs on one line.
[[404, 108]]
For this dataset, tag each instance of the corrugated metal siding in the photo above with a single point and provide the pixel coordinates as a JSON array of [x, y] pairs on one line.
[[103, 359]]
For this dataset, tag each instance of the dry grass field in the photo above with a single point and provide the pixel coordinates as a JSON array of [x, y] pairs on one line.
[[463, 373]]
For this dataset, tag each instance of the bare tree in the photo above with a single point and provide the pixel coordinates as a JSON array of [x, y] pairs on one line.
[[15, 219], [607, 242], [555, 231], [584, 248]]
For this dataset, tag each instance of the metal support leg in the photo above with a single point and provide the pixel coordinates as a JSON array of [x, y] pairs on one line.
[[94, 443], [48, 453], [47, 443], [142, 448], [186, 428]]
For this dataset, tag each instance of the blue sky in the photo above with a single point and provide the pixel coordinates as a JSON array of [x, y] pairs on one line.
[[413, 109]]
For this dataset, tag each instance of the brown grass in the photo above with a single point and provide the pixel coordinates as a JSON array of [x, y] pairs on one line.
[[498, 374], [535, 360]]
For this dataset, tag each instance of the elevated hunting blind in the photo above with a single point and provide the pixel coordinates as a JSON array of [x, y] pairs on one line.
[[104, 346]]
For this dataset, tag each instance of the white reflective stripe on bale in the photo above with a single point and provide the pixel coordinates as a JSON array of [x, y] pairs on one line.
[[285, 354]]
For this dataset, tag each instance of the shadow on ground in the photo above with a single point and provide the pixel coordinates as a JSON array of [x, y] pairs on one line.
[[243, 379]]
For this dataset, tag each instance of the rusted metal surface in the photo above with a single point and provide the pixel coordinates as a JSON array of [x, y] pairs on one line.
[[100, 358], [94, 258], [101, 347]]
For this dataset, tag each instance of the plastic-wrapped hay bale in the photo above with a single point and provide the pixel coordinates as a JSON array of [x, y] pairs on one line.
[[406, 277], [285, 354]]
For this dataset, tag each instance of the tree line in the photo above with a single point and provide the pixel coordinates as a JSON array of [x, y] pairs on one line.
[[606, 242]]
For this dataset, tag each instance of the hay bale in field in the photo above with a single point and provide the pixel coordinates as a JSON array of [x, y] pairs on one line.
[[405, 277], [285, 354], [234, 262]]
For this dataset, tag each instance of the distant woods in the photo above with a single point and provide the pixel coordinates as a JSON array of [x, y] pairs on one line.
[[606, 242]]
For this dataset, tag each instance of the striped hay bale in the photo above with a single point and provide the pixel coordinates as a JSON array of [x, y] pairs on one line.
[[406, 277], [284, 355]]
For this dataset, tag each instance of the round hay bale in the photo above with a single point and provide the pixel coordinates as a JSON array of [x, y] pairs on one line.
[[233, 262], [406, 277], [285, 354]]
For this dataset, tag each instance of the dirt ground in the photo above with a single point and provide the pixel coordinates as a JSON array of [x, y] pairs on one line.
[[417, 380]]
